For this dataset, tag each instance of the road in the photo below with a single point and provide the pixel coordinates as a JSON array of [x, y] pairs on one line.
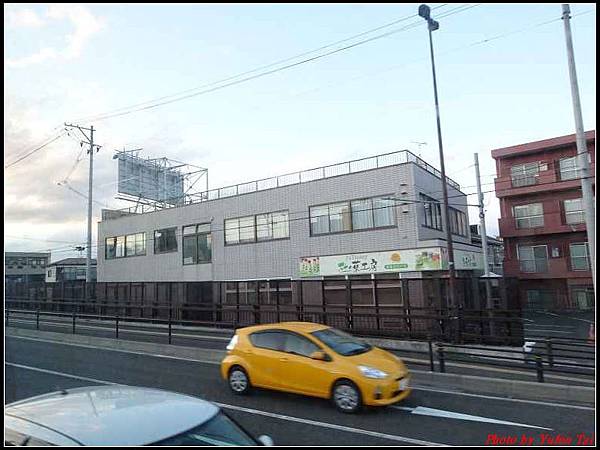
[[213, 339], [427, 417]]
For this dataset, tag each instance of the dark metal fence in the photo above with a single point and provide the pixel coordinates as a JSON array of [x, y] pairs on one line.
[[569, 356], [456, 325]]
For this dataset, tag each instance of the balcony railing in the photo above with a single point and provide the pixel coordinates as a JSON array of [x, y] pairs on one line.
[[305, 176]]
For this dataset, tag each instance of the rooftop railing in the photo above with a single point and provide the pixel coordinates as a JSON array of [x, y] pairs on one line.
[[305, 176]]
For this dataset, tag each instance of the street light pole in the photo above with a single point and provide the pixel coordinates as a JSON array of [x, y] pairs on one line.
[[432, 25]]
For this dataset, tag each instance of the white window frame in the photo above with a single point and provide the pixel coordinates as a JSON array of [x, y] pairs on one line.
[[586, 257], [576, 212], [535, 260], [528, 220], [524, 174]]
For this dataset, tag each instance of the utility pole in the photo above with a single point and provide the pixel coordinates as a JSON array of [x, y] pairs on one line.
[[432, 25], [88, 262], [582, 152], [486, 271]]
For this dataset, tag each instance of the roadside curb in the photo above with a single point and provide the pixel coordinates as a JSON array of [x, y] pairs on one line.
[[515, 389]]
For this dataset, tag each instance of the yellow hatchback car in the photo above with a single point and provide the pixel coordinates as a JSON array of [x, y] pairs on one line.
[[316, 360]]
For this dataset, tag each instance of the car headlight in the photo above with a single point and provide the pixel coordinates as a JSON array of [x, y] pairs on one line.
[[371, 372]]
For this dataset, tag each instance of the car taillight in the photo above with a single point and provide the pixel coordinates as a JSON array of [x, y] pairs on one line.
[[232, 343]]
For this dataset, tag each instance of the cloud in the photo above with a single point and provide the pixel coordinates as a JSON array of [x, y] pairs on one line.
[[27, 18], [85, 23]]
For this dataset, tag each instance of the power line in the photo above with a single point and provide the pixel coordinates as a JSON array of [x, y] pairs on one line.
[[35, 150], [41, 240], [281, 61], [232, 83], [66, 184], [388, 69]]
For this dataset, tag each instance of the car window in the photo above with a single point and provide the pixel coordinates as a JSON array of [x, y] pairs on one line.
[[342, 343], [299, 345], [272, 340], [220, 430]]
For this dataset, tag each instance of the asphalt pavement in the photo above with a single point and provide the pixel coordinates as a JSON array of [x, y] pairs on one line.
[[427, 417], [217, 339]]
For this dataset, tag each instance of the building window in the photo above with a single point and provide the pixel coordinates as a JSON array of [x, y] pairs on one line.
[[580, 256], [123, 246], [524, 174], [568, 167], [262, 227], [135, 244], [529, 216], [574, 211], [432, 212], [533, 258], [272, 226], [582, 297], [165, 240], [240, 230], [319, 219], [197, 244], [383, 210], [540, 299], [458, 222], [361, 214], [339, 217], [110, 248]]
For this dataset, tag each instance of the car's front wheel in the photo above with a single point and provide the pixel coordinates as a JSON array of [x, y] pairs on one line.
[[239, 382], [346, 397]]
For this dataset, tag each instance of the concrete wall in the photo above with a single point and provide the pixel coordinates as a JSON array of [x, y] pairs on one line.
[[273, 259]]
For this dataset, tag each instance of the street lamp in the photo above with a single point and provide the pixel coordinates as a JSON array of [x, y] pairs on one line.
[[432, 25]]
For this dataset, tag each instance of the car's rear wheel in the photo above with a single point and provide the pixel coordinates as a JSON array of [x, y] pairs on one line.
[[346, 397], [239, 382]]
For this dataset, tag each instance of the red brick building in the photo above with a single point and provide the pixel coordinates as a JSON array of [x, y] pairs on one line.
[[542, 222]]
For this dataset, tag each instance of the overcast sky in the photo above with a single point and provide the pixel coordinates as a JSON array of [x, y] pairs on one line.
[[502, 80]]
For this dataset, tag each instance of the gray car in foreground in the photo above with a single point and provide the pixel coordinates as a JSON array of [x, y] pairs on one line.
[[121, 415]]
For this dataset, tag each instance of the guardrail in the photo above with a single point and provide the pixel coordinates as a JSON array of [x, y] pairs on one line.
[[455, 325], [552, 354]]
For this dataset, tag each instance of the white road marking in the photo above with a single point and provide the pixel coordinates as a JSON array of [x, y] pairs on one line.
[[491, 397], [424, 411], [391, 437], [60, 374]]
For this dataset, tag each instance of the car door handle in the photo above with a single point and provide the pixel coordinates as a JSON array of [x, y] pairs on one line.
[[283, 359]]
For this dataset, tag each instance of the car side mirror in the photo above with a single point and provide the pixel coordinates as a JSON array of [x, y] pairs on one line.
[[320, 356], [266, 440]]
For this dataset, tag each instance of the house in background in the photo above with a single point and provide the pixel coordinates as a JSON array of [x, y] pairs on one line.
[[69, 269], [24, 270], [542, 222], [495, 250]]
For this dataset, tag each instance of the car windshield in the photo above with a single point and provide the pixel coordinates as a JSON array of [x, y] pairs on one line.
[[341, 343], [220, 430]]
